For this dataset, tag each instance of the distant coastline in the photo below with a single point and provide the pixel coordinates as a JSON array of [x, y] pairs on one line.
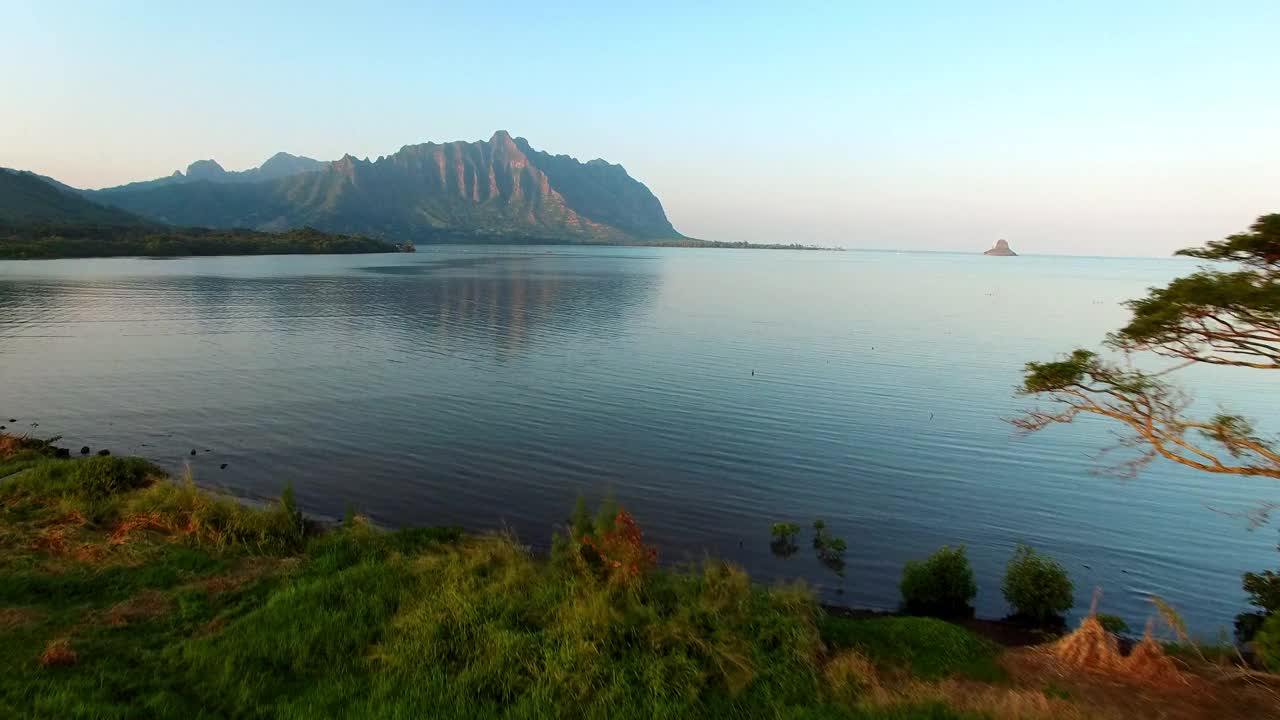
[[81, 242], [692, 243]]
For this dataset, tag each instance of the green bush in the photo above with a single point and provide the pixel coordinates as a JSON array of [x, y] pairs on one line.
[[1266, 644], [941, 585], [1264, 593], [1264, 590], [1113, 624], [1036, 586]]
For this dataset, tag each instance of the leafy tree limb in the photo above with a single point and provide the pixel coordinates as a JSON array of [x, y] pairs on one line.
[[1212, 317]]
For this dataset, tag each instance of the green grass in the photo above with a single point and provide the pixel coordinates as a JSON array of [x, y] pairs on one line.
[[181, 604], [95, 478], [927, 647]]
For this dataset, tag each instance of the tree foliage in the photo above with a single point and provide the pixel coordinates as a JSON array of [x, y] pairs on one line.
[[55, 240], [1213, 316]]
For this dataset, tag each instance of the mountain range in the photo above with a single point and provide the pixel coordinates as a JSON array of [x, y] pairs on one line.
[[500, 190], [282, 164]]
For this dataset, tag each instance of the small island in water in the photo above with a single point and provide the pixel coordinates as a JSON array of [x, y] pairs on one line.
[[1001, 249]]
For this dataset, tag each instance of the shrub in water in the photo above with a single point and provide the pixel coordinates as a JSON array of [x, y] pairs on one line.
[[1037, 586], [783, 543], [784, 531], [942, 585]]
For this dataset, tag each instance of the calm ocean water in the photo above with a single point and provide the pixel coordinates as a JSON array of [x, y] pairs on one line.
[[488, 387]]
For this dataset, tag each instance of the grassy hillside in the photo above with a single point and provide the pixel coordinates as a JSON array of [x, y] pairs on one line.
[[126, 595]]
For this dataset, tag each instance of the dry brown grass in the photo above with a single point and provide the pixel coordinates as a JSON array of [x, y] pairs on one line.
[[1090, 647], [855, 680], [16, 617], [1207, 695], [143, 522], [59, 654], [89, 553], [211, 627], [146, 605], [71, 518], [1148, 664], [60, 537], [53, 540], [248, 571], [10, 445], [1000, 702], [851, 676]]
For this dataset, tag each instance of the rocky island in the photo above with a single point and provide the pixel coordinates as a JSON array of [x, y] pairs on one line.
[[1001, 249]]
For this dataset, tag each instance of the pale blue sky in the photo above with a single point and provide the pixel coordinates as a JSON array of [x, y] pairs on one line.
[[1071, 127]]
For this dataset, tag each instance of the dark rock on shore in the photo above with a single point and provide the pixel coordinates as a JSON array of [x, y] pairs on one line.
[[104, 452], [84, 450], [62, 452]]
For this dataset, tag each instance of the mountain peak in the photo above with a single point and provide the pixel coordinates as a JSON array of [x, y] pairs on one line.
[[205, 170], [282, 164], [502, 139]]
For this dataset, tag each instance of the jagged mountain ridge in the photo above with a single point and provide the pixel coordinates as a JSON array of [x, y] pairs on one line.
[[500, 190], [280, 165]]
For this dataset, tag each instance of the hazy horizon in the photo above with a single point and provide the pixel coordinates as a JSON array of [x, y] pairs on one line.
[[1087, 130]]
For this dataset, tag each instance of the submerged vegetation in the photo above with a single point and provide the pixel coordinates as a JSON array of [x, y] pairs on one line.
[[125, 593]]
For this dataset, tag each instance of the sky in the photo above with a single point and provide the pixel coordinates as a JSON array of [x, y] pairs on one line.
[[1086, 128]]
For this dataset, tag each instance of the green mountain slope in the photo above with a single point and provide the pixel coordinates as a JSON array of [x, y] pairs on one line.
[[27, 198], [41, 219], [501, 190]]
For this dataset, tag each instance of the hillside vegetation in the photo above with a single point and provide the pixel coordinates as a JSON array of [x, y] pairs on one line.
[[47, 241], [124, 594]]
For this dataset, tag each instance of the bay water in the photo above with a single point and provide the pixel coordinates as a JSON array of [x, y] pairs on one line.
[[713, 392]]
